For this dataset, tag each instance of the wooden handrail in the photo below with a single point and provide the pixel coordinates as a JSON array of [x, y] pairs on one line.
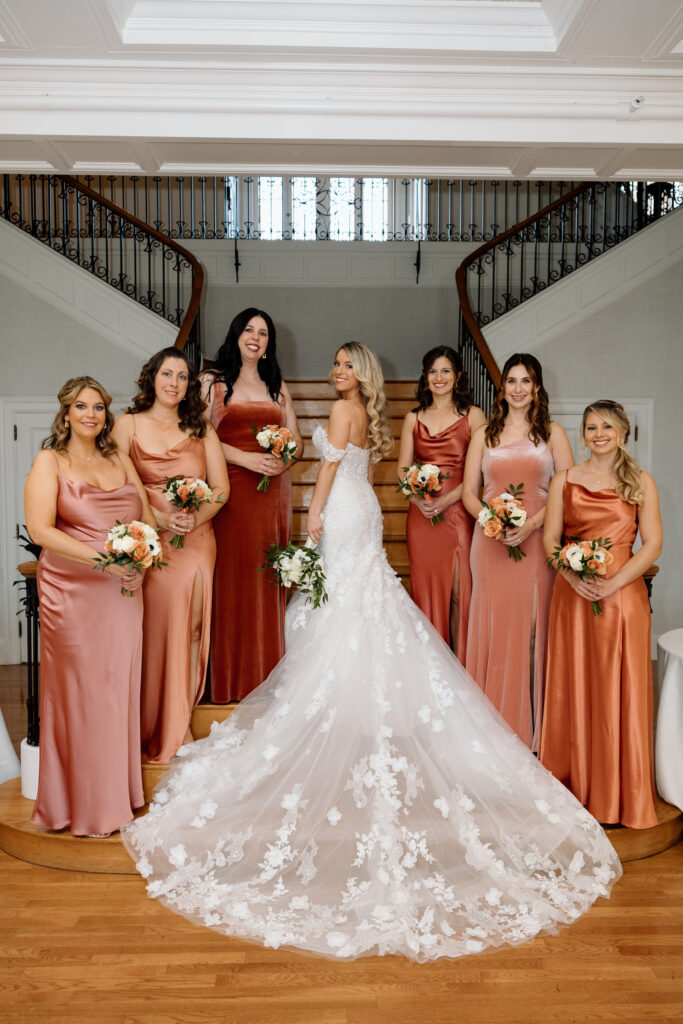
[[197, 269], [493, 243]]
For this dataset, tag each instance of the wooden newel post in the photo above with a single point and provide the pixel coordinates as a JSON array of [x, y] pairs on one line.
[[30, 602]]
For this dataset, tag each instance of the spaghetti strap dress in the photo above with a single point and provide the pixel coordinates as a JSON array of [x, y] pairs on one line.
[[597, 731], [90, 652], [511, 600], [434, 551], [168, 693], [248, 620]]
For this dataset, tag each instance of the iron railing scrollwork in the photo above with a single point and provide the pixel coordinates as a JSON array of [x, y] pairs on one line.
[[114, 245], [543, 249]]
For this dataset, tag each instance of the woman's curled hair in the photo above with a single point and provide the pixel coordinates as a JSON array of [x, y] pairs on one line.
[[626, 469], [370, 379], [538, 414], [60, 432], [461, 396], [190, 410], [228, 361]]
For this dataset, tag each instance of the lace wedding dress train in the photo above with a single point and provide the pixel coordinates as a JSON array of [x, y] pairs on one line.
[[367, 798]]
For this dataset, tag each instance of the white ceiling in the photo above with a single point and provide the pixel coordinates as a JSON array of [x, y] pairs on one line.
[[551, 88]]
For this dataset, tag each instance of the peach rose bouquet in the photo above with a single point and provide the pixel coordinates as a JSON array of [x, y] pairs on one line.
[[506, 511], [187, 493], [276, 441], [134, 545], [422, 478], [587, 558]]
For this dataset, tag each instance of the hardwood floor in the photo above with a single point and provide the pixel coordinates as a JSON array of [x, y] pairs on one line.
[[92, 948]]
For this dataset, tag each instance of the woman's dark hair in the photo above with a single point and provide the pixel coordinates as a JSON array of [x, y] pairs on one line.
[[461, 396], [228, 360], [538, 414], [190, 410]]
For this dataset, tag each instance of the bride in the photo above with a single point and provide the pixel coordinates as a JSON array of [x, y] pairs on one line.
[[367, 798]]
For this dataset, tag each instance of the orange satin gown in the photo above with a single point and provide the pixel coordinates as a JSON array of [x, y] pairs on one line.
[[90, 651], [248, 622], [509, 598], [168, 694], [597, 726], [434, 550]]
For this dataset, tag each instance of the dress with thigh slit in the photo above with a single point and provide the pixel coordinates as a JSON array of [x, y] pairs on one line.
[[90, 648], [507, 596], [168, 693], [597, 730], [435, 550]]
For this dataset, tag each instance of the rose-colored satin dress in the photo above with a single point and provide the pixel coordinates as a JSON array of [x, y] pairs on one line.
[[597, 725], [507, 596], [434, 550], [90, 651], [168, 693], [247, 630]]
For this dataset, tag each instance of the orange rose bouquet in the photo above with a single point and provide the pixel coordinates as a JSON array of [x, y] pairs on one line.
[[505, 512], [587, 558], [186, 493], [134, 545], [422, 478], [276, 441]]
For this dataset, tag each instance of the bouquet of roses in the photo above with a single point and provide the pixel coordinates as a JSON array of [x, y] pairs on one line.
[[134, 545], [276, 441], [186, 493], [298, 567], [587, 558], [504, 512], [422, 478]]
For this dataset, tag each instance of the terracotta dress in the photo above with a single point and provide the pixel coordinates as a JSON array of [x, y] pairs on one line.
[[90, 652], [597, 728], [168, 693], [247, 629], [509, 597], [434, 550]]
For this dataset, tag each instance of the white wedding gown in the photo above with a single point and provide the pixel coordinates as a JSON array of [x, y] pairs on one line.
[[367, 798]]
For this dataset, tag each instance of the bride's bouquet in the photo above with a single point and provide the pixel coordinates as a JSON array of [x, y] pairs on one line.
[[133, 545], [506, 511], [186, 493], [276, 441], [587, 558], [422, 479], [299, 567]]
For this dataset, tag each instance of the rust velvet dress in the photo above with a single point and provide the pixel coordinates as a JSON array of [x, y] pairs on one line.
[[247, 630], [434, 550], [168, 694], [90, 651], [597, 727], [510, 598]]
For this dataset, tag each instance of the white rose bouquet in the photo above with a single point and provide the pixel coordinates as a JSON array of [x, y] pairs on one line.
[[422, 478], [276, 441], [187, 493], [135, 545], [504, 512], [298, 567], [587, 558]]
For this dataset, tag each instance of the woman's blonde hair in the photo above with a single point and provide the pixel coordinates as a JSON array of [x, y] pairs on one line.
[[370, 379], [626, 469], [61, 430]]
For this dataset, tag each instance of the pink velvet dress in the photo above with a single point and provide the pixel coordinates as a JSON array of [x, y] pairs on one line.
[[248, 621], [168, 693], [597, 727], [90, 650], [434, 550], [510, 600]]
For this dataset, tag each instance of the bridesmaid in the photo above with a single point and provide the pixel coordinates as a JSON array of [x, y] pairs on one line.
[[244, 389], [165, 434], [506, 644], [90, 636], [439, 431], [597, 727]]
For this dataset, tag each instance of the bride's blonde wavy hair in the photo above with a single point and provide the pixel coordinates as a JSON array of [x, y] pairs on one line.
[[626, 469], [370, 379]]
